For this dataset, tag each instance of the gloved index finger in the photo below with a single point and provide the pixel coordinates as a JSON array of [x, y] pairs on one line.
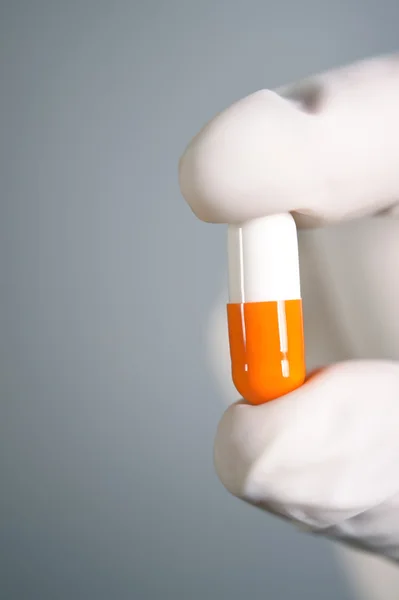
[[326, 149]]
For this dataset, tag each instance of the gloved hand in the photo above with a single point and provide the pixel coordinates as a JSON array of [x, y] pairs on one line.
[[327, 455]]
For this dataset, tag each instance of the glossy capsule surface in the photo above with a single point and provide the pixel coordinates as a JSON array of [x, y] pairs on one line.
[[264, 314]]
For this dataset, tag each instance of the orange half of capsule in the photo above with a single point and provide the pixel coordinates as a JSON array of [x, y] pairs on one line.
[[267, 348]]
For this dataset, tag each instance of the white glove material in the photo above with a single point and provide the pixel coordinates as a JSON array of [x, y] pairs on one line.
[[327, 149], [325, 456]]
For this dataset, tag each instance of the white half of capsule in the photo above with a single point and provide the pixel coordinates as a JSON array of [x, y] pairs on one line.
[[263, 260]]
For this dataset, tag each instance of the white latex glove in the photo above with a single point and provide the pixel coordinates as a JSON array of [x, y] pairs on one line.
[[327, 455]]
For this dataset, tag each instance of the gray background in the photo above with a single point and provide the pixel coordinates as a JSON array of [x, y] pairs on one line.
[[108, 411]]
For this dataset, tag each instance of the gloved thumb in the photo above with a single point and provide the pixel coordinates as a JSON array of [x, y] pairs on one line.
[[325, 149], [325, 456]]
